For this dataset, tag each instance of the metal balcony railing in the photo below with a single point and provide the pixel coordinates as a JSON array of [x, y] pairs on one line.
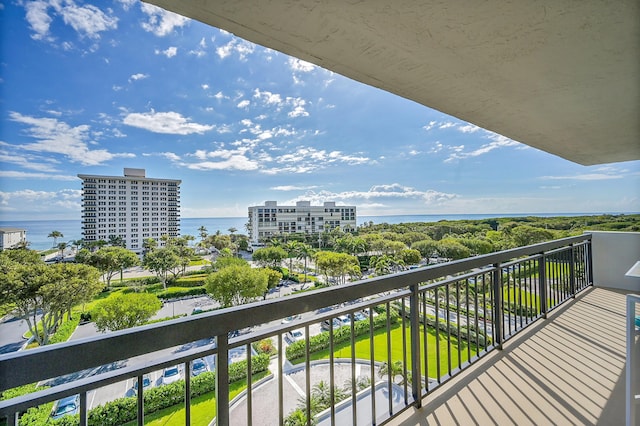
[[379, 345]]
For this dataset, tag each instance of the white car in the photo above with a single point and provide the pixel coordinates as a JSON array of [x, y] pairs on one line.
[[170, 375], [295, 335], [289, 319]]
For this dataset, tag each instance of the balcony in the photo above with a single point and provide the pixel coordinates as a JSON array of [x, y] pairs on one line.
[[527, 335]]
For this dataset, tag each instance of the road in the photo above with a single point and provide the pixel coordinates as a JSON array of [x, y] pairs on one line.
[[11, 336]]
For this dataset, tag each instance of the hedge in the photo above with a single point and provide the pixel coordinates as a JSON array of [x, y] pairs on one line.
[[192, 281], [176, 292], [320, 341], [123, 410]]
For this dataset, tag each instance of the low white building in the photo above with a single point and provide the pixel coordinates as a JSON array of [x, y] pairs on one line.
[[270, 219], [12, 238]]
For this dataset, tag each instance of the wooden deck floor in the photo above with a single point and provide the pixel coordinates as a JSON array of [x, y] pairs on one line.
[[566, 370]]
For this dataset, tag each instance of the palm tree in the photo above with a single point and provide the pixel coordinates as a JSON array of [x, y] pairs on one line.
[[396, 369], [203, 233], [291, 248], [62, 247], [232, 230], [304, 252], [55, 235], [75, 244]]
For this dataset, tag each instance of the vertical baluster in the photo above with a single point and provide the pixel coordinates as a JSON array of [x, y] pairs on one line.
[[249, 385], [307, 364], [497, 308], [140, 396], [372, 366], [83, 409], [187, 393], [222, 380], [280, 379], [332, 374], [389, 360]]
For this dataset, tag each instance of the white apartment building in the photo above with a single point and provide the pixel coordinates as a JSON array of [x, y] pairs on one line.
[[132, 206], [303, 218], [12, 238]]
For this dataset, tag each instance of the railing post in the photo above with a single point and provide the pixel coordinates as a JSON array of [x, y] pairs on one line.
[[542, 283], [414, 313], [187, 393], [83, 409], [572, 271], [140, 398], [498, 315], [222, 380], [590, 262], [632, 355]]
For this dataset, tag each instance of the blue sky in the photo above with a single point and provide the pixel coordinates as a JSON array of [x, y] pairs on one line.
[[96, 87]]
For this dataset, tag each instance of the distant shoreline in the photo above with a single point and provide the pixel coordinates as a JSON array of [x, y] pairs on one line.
[[37, 230]]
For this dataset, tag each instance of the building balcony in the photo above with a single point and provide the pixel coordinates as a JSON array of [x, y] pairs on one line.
[[533, 335]]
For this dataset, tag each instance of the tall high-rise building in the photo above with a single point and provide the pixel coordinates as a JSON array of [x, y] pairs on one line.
[[132, 207], [271, 220]]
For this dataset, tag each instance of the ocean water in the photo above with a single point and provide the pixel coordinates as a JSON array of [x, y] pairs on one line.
[[38, 230]]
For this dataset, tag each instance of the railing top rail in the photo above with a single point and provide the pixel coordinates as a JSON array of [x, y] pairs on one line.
[[53, 361]]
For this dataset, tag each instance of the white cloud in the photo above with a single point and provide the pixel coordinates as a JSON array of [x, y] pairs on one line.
[[292, 188], [161, 22], [268, 97], [308, 159], [169, 52], [298, 65], [298, 108], [380, 193], [585, 176], [223, 159], [139, 76], [240, 47], [40, 201], [497, 142], [87, 20], [244, 104], [28, 161], [38, 19], [8, 174], [165, 122], [58, 137], [430, 126]]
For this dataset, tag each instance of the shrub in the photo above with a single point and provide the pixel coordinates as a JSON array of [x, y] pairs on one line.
[[123, 410], [175, 292], [192, 281], [265, 346], [238, 370]]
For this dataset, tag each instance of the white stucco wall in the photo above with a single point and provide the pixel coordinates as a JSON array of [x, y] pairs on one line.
[[614, 253]]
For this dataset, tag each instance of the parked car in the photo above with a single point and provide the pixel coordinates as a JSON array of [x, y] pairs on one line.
[[289, 319], [66, 406], [198, 366], [170, 375], [336, 323], [359, 316], [146, 382], [295, 335]]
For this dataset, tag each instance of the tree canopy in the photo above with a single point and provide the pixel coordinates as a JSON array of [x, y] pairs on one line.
[[41, 294], [121, 311], [109, 260], [237, 284]]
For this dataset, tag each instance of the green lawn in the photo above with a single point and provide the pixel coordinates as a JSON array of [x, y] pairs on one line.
[[362, 349]]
